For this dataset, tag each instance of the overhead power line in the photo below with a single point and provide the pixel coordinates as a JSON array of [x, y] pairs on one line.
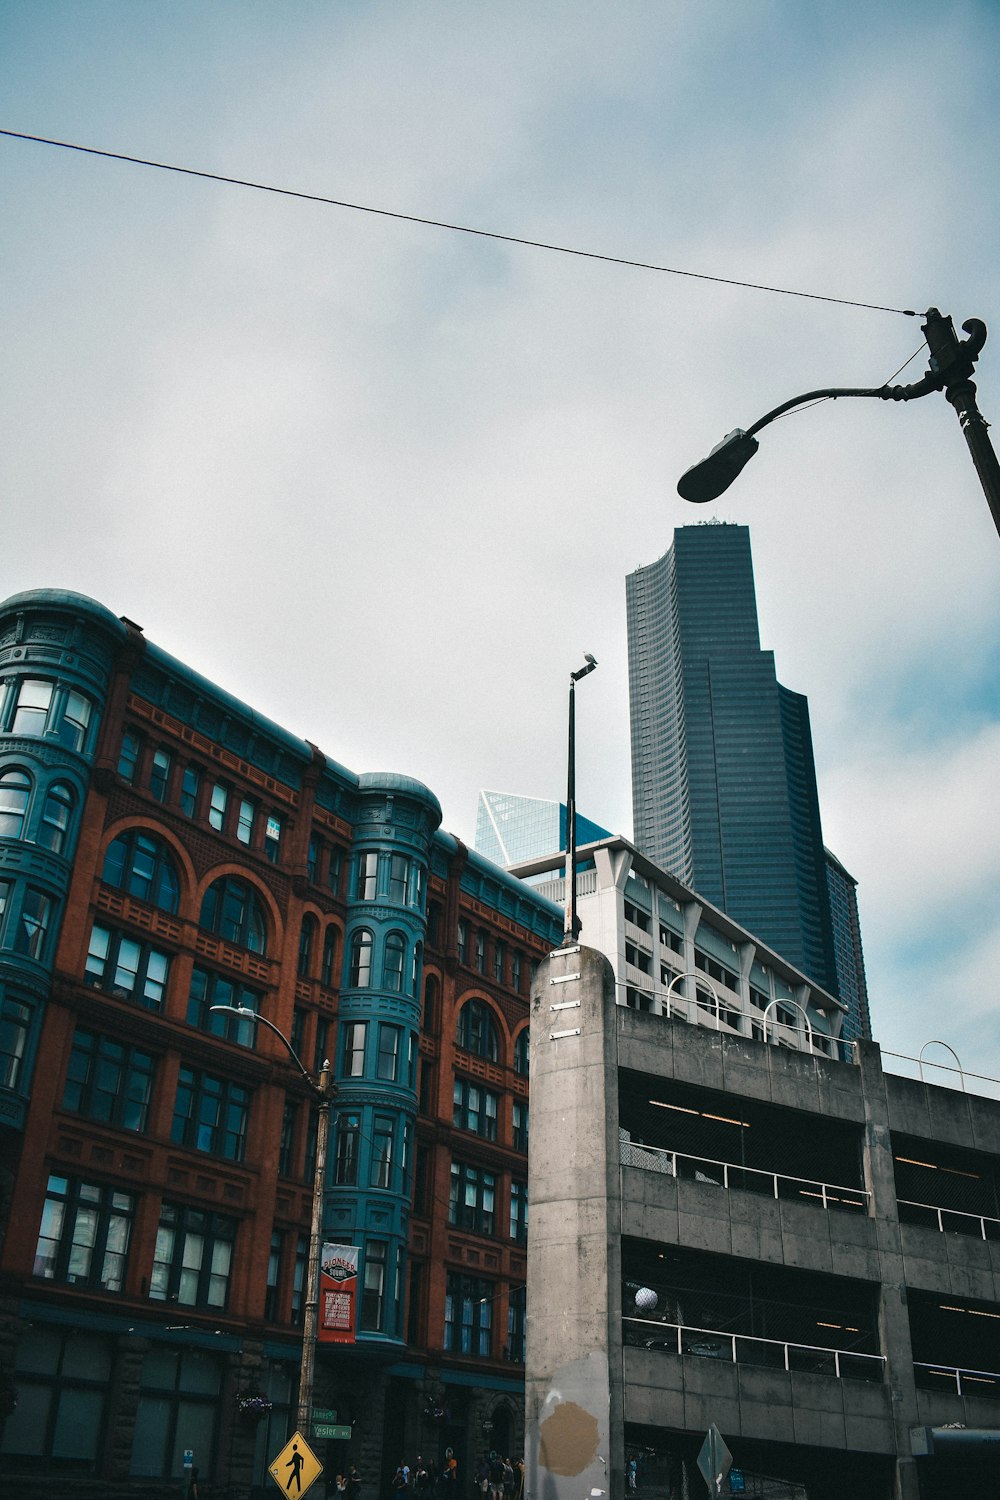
[[488, 234]]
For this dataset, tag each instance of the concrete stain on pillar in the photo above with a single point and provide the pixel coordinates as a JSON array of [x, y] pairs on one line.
[[568, 1440]]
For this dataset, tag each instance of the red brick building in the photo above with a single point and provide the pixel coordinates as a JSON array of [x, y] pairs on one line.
[[164, 849]]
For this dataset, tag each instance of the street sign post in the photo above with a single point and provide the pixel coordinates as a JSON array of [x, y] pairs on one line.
[[296, 1467], [714, 1460]]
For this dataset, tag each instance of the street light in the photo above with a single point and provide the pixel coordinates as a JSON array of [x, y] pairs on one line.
[[571, 930], [950, 369], [324, 1090]]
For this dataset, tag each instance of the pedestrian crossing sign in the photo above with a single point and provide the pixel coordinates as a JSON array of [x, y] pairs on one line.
[[296, 1467]]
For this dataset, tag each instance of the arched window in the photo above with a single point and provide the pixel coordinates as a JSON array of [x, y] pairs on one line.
[[393, 959], [361, 959], [418, 954], [307, 942], [141, 864], [15, 789], [521, 1044], [329, 956], [56, 814], [233, 910], [476, 1030]]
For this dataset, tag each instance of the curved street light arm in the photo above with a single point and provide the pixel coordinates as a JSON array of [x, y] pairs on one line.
[[319, 1089], [831, 394]]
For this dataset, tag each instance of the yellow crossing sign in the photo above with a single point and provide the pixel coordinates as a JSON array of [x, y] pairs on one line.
[[296, 1467]]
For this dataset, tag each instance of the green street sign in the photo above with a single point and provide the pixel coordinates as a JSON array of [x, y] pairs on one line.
[[324, 1414], [329, 1430]]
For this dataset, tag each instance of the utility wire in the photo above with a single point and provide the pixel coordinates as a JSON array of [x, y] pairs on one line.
[[489, 234]]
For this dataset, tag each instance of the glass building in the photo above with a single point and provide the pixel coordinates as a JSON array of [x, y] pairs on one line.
[[511, 828], [723, 778]]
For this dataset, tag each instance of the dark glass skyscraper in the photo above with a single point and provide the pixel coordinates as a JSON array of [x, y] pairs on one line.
[[723, 778]]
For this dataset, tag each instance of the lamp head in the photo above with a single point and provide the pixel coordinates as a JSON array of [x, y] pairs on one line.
[[708, 479]]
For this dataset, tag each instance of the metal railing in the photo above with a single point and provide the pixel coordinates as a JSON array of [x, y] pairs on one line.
[[987, 1228], [984, 1382], [748, 1349], [753, 1179]]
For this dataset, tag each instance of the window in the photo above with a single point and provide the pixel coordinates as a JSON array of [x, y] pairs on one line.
[[209, 988], [468, 1315], [393, 959], [463, 942], [84, 1234], [286, 1145], [481, 950], [345, 1167], [382, 1139], [210, 1114], [233, 910], [57, 812], [329, 958], [190, 787], [244, 821], [367, 881], [131, 969], [361, 960], [498, 961], [522, 1044], [517, 1325], [128, 755], [373, 1287], [418, 953], [272, 1286], [179, 1401], [307, 942], [15, 1022], [141, 865], [472, 1202], [355, 1034], [75, 720], [431, 991], [475, 1109], [476, 1030], [387, 1064], [299, 1277], [36, 913], [272, 838], [516, 967], [62, 1380], [519, 1211], [15, 789], [193, 1257], [321, 1050], [159, 775], [217, 806], [399, 879], [520, 1125], [108, 1081], [32, 706], [334, 871]]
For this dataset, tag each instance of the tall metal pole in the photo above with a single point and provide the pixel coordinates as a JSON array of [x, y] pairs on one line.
[[571, 928], [310, 1311], [323, 1089], [571, 925]]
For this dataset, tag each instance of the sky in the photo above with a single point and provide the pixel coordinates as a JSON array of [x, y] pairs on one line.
[[384, 481]]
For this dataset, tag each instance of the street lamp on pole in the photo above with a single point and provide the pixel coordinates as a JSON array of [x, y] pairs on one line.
[[952, 363], [323, 1089], [571, 930]]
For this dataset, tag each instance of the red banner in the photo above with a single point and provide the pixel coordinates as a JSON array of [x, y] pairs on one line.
[[338, 1288]]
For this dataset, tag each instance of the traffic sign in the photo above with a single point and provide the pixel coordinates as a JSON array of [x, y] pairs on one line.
[[296, 1467], [737, 1481], [324, 1414], [714, 1460], [189, 1458], [331, 1431]]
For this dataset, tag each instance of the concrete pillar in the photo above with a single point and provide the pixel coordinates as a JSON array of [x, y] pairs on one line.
[[894, 1322], [573, 1394]]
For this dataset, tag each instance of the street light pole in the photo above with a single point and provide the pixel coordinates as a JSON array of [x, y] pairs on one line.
[[950, 369], [571, 929], [323, 1089]]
